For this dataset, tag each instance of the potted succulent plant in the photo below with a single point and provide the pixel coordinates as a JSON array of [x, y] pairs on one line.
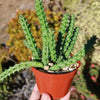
[[54, 66]]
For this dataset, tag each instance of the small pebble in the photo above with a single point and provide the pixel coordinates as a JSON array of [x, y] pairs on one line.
[[32, 58], [46, 67], [66, 68], [77, 64], [50, 71], [70, 56], [50, 64], [72, 66], [71, 69]]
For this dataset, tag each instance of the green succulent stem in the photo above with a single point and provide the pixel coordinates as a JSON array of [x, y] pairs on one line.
[[62, 31], [69, 34], [19, 67], [45, 30], [70, 48], [64, 24], [77, 57], [70, 61], [30, 42], [52, 46]]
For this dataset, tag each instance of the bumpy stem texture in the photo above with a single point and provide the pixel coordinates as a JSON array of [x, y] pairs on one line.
[[30, 42], [70, 48], [77, 57], [52, 46], [70, 33], [45, 30], [64, 24], [70, 61], [60, 42], [19, 67]]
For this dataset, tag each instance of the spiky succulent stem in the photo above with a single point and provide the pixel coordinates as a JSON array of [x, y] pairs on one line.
[[69, 34], [77, 57], [70, 48], [60, 42], [30, 42], [19, 67], [52, 46], [68, 62], [64, 24], [45, 30]]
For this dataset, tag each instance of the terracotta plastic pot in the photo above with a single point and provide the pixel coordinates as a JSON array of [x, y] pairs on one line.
[[56, 85]]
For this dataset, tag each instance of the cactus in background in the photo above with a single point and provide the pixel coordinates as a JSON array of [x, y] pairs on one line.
[[48, 38]]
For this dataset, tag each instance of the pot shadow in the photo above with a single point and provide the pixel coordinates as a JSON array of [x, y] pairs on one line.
[[92, 86]]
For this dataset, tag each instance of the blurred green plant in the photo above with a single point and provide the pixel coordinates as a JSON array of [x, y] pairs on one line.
[[4, 86], [4, 64], [87, 81], [0, 67]]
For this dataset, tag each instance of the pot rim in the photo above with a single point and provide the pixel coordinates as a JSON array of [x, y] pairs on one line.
[[56, 73]]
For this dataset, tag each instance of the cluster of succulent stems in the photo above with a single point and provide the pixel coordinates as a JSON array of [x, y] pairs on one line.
[[52, 50]]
